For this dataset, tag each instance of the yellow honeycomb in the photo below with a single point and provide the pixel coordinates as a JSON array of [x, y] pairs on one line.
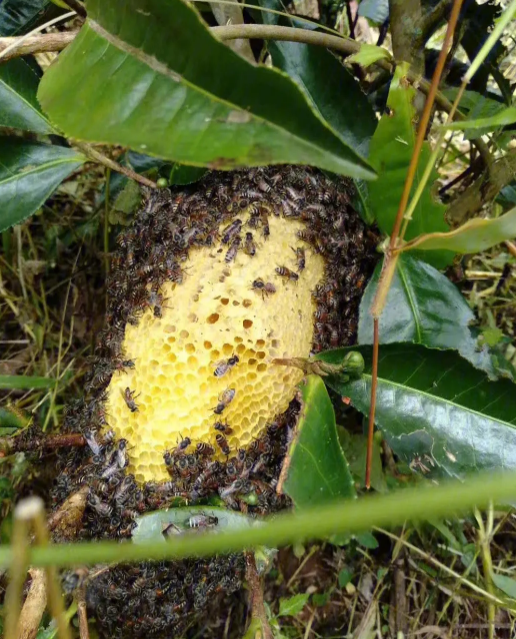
[[212, 316]]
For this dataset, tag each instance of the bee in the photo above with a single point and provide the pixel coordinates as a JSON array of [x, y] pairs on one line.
[[96, 449], [265, 226], [233, 250], [250, 246], [263, 185], [204, 449], [304, 235], [251, 194], [121, 364], [287, 273], [121, 455], [293, 194], [121, 493], [183, 445], [129, 400], [223, 428], [212, 469], [101, 508], [224, 400], [267, 288], [231, 230], [224, 366], [222, 443], [202, 521], [301, 260], [156, 301]]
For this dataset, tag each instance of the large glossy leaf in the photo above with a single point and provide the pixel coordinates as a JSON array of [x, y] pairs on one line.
[[150, 526], [29, 173], [472, 237], [318, 471], [329, 86], [436, 411], [391, 150], [19, 107], [424, 307], [150, 76], [18, 16]]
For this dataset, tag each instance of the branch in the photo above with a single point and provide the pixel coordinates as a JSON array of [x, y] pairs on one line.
[[290, 34], [431, 20], [99, 157], [484, 189], [256, 603], [77, 6], [40, 43], [405, 21]]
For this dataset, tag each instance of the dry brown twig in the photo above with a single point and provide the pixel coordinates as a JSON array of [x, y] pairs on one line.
[[257, 604]]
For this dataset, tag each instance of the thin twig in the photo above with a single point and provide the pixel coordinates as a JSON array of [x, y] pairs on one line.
[[20, 40], [390, 259], [84, 631], [372, 407], [99, 157], [14, 47], [423, 123], [9, 445], [257, 604], [78, 7]]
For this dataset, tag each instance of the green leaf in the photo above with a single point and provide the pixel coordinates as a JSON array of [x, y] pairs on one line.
[[19, 107], [150, 526], [424, 307], [375, 10], [318, 471], [361, 201], [505, 584], [17, 16], [182, 174], [24, 382], [355, 451], [472, 237], [345, 576], [151, 76], [367, 540], [435, 410], [29, 173], [368, 55], [503, 117], [327, 84], [293, 605], [391, 150]]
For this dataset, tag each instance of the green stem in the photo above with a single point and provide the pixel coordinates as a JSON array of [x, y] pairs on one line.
[[417, 504], [504, 20]]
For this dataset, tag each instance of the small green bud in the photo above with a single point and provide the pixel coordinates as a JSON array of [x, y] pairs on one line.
[[162, 183]]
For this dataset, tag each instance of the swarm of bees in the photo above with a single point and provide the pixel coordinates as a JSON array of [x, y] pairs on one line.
[[148, 600]]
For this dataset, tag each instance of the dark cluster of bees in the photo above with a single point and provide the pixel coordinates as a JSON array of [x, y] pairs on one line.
[[164, 598]]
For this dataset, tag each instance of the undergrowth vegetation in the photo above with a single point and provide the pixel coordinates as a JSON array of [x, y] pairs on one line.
[[257, 305]]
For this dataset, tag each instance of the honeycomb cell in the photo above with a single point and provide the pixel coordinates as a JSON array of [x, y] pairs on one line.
[[176, 376]]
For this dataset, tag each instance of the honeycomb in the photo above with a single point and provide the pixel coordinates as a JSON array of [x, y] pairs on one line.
[[216, 314]]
